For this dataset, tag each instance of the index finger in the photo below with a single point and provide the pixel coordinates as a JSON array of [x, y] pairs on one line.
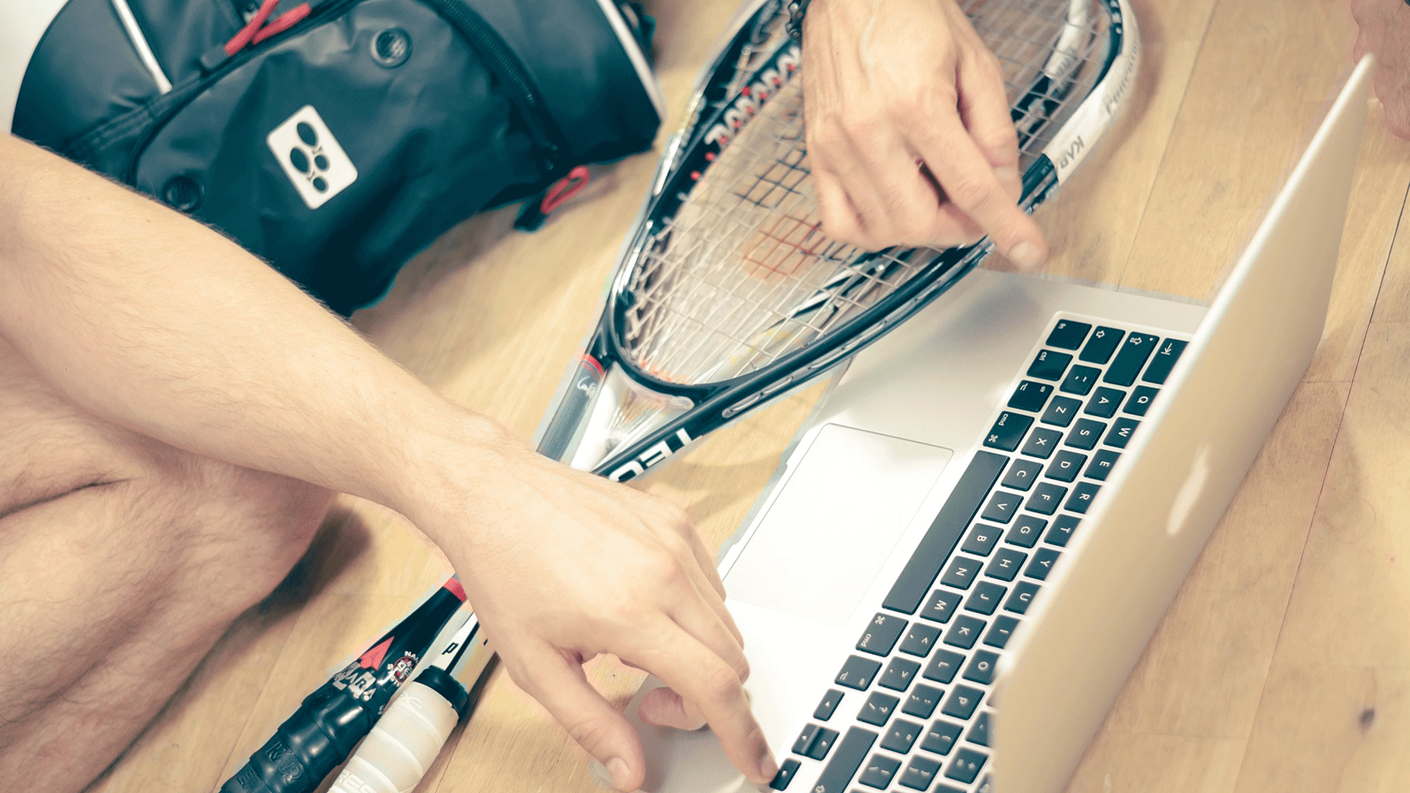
[[971, 184], [703, 678]]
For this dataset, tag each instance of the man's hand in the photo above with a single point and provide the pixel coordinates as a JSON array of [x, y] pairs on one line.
[[909, 134], [562, 566], [1383, 29]]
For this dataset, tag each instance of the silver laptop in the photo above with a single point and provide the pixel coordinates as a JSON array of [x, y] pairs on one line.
[[1000, 500]]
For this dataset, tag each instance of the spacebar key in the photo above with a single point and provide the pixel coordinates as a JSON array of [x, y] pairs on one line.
[[846, 759], [944, 533]]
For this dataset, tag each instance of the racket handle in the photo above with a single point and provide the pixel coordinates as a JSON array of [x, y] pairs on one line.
[[406, 740], [306, 747]]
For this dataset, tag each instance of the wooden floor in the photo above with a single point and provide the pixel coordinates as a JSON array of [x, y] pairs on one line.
[[1285, 663]]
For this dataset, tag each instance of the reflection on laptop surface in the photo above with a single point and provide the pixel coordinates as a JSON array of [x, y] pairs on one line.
[[1000, 501]]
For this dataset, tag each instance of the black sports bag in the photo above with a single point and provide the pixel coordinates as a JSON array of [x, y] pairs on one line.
[[336, 138]]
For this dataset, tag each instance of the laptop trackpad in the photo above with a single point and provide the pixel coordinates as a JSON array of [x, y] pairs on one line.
[[817, 550]]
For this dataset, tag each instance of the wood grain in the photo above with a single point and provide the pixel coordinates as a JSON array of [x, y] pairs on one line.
[[1284, 664]]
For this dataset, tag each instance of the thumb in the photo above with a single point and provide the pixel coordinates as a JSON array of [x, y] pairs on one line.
[[561, 687]]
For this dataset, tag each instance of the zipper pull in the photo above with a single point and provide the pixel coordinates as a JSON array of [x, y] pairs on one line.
[[537, 209], [254, 32]]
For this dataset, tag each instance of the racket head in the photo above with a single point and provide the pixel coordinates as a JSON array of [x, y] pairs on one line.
[[724, 290]]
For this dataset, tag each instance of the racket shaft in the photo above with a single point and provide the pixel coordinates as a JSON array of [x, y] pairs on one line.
[[399, 750], [566, 425]]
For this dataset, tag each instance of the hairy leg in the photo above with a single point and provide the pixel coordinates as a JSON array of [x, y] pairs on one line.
[[122, 561]]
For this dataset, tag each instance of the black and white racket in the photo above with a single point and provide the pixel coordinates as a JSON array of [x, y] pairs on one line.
[[727, 294]]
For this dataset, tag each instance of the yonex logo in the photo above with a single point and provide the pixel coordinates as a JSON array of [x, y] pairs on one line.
[[311, 157]]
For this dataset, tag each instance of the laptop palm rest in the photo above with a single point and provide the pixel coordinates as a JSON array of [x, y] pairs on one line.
[[834, 521], [834, 518]]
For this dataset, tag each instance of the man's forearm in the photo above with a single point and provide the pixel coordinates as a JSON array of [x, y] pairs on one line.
[[156, 323]]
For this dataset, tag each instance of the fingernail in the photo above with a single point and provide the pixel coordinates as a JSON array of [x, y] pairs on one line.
[[1026, 255], [621, 775]]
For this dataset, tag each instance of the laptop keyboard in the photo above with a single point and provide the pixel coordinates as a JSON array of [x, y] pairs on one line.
[[909, 709]]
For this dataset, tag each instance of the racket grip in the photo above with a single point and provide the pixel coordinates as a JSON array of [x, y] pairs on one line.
[[406, 740], [306, 747]]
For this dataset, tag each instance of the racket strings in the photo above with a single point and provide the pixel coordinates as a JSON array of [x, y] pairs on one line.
[[743, 275]]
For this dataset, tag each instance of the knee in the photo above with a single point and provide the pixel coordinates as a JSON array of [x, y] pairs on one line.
[[250, 528]]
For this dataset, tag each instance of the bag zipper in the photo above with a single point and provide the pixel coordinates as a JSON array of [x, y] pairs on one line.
[[501, 60]]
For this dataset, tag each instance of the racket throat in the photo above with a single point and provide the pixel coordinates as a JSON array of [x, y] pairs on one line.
[[622, 413]]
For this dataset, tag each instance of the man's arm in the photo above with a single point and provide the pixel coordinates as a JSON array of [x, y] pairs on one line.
[[156, 323]]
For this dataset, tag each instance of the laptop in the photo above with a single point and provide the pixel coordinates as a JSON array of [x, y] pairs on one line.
[[969, 545]]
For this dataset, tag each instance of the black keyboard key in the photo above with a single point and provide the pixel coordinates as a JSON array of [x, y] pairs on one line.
[[1061, 532], [962, 572], [942, 605], [1030, 396], [1082, 496], [1061, 411], [1104, 402], [964, 631], [985, 598], [965, 765], [902, 736], [1066, 465], [922, 701], [1102, 344], [1007, 431], [899, 674], [1005, 564], [1042, 442], [1085, 434], [943, 666], [1163, 361], [986, 785], [878, 709], [1022, 473], [1041, 563], [941, 737], [979, 733], [962, 702], [1045, 499], [1101, 465], [981, 539], [829, 702], [1140, 400], [1079, 380], [945, 532], [785, 774], [1020, 597], [1049, 365], [858, 672], [1134, 352], [878, 771], [844, 764], [981, 668], [1002, 506], [1067, 334], [1120, 433], [920, 639], [881, 634], [921, 772], [805, 739], [1026, 530], [1003, 626], [822, 744]]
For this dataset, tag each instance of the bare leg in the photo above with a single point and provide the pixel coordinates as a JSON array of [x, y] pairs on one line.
[[122, 561]]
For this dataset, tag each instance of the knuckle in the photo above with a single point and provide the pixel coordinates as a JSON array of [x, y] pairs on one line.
[[591, 733], [721, 684], [969, 193]]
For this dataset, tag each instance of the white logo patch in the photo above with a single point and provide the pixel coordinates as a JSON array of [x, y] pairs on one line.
[[311, 157]]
